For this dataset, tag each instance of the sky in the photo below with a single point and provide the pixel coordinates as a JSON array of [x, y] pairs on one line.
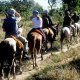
[[44, 3]]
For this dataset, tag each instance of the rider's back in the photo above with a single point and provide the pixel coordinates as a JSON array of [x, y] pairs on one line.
[[9, 26]]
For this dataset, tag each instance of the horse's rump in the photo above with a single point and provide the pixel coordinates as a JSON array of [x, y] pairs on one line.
[[49, 33], [65, 33], [35, 40]]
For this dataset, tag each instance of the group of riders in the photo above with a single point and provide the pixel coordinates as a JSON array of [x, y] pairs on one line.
[[11, 24]]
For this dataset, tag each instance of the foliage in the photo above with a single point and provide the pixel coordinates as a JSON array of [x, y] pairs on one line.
[[51, 3], [72, 5], [25, 7]]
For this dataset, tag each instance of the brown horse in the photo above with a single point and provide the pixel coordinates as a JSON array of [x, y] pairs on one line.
[[35, 45]]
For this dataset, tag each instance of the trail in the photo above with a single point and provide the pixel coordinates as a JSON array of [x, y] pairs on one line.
[[29, 71]]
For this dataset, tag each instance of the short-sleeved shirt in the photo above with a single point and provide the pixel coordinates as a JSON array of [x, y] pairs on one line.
[[37, 23]]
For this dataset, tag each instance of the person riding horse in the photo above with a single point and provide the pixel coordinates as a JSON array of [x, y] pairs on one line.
[[10, 26], [37, 25], [47, 22], [75, 17], [67, 19]]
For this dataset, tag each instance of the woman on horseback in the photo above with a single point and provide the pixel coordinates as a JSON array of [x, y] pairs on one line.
[[10, 26], [37, 24]]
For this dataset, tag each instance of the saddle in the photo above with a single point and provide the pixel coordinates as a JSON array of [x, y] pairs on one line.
[[19, 43], [38, 31]]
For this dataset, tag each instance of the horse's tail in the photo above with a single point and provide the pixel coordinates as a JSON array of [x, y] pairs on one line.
[[61, 35]]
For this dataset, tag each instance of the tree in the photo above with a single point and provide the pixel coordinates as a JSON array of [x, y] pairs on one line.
[[71, 4], [51, 3]]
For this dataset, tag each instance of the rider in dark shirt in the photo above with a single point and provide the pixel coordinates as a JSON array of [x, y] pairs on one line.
[[67, 19], [75, 17], [47, 22]]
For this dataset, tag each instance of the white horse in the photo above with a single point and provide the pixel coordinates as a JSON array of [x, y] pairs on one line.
[[77, 25], [65, 35]]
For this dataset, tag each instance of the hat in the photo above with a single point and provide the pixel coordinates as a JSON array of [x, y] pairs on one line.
[[35, 12], [11, 12], [45, 12]]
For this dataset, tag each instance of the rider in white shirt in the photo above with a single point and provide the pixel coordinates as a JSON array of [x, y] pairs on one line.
[[37, 24]]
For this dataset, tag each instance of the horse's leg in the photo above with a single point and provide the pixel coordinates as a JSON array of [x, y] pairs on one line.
[[41, 51], [14, 66], [51, 47], [20, 62], [1, 73], [32, 56], [67, 42], [35, 58]]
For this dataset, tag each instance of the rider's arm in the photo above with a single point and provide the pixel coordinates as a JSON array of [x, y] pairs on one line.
[[17, 16], [50, 21]]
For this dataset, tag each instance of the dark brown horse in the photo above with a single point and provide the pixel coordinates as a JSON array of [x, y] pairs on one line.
[[35, 45], [9, 53]]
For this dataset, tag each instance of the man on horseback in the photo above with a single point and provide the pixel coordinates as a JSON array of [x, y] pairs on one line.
[[10, 26], [75, 17], [67, 19], [37, 25], [47, 22]]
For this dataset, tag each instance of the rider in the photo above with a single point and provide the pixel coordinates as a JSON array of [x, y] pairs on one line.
[[10, 26], [37, 24], [67, 19], [47, 22], [75, 17]]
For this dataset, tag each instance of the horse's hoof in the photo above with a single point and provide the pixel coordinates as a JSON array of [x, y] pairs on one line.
[[19, 73]]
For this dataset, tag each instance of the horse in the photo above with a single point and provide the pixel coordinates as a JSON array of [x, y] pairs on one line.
[[35, 46], [10, 52], [75, 27], [65, 35], [50, 34]]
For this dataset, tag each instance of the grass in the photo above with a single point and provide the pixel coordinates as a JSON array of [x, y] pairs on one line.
[[65, 66]]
